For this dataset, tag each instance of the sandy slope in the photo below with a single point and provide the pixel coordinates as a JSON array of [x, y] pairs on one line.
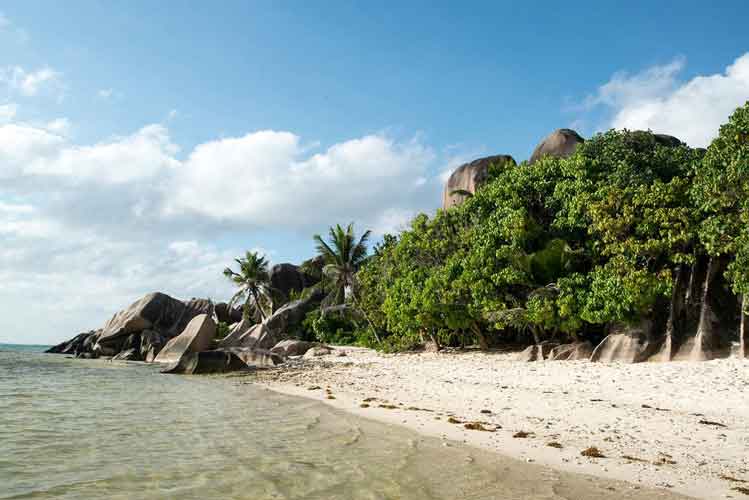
[[650, 412]]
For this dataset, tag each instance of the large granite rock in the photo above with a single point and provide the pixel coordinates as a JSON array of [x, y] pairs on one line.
[[668, 140], [73, 346], [536, 352], [206, 362], [196, 337], [577, 351], [130, 354], [286, 322], [151, 343], [193, 307], [627, 343], [561, 143], [257, 336], [290, 347], [224, 315], [155, 311], [317, 351], [258, 358], [284, 279], [236, 332], [469, 178]]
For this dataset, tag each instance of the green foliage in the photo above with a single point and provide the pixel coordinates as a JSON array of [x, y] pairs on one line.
[[721, 193], [337, 328], [558, 248], [222, 330]]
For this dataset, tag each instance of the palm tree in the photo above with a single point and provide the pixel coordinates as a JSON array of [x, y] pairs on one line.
[[253, 283], [343, 256]]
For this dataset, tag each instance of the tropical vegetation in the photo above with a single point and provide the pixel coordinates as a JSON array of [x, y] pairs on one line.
[[632, 227]]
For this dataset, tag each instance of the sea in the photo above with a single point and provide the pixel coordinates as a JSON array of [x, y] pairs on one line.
[[96, 429]]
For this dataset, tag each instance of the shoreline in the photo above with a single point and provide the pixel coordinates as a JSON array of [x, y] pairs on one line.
[[679, 426]]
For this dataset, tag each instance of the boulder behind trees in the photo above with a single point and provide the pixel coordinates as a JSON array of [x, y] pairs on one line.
[[468, 178], [561, 143]]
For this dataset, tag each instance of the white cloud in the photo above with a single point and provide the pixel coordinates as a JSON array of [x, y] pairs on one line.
[[7, 112], [266, 178], [656, 99], [105, 93], [30, 83], [43, 151], [4, 21], [58, 126]]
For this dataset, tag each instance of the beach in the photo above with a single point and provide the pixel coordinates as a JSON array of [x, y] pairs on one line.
[[679, 426]]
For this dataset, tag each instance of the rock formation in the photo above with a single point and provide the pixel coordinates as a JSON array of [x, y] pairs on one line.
[[224, 315], [288, 348], [467, 178], [257, 358], [536, 352], [144, 326], [257, 336], [206, 362], [576, 351], [560, 143], [196, 337], [286, 278]]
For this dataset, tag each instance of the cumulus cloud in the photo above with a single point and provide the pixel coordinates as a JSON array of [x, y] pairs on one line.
[[30, 83], [658, 100], [27, 150], [268, 178]]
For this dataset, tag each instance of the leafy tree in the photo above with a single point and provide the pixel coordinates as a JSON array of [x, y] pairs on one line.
[[721, 192], [253, 283], [626, 194]]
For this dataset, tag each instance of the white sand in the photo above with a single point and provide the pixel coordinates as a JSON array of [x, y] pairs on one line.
[[649, 411]]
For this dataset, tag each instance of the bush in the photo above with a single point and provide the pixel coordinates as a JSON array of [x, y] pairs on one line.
[[335, 327]]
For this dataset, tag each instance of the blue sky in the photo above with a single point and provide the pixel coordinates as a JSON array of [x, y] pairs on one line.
[[142, 144]]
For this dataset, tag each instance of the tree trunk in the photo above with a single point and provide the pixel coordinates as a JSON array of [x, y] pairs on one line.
[[675, 322], [744, 328], [483, 343], [716, 319], [366, 317], [257, 304]]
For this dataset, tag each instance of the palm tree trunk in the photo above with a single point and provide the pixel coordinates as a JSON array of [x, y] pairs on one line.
[[257, 304]]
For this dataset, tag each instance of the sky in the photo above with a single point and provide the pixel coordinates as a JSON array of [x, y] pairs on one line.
[[144, 145]]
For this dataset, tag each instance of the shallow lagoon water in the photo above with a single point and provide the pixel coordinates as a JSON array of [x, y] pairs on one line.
[[94, 429]]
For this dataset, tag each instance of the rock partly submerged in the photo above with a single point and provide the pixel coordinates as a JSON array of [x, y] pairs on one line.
[[207, 362], [196, 337]]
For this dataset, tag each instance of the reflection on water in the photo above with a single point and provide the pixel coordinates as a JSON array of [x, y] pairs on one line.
[[92, 429]]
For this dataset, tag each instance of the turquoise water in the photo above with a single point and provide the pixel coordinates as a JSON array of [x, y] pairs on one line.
[[93, 429]]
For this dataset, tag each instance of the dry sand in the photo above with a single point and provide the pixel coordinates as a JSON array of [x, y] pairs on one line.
[[682, 425]]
